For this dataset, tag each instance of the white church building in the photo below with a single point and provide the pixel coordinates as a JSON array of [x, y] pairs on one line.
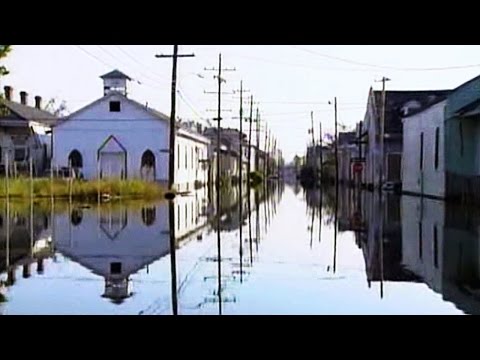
[[117, 137]]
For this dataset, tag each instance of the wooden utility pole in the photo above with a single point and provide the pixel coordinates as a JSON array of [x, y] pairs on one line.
[[382, 131], [249, 167], [173, 256], [336, 146], [257, 150], [219, 128], [320, 134], [173, 125], [265, 165], [313, 131]]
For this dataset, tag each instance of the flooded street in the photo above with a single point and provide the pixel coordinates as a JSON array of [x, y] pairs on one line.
[[282, 257]]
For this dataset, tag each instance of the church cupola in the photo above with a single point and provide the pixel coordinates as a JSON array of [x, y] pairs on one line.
[[115, 81]]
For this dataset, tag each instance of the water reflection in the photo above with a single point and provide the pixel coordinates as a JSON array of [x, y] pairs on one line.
[[272, 250], [126, 246], [408, 240]]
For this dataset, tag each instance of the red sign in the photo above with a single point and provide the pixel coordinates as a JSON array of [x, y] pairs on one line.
[[357, 168]]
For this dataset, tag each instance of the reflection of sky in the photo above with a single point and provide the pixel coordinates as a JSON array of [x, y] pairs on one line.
[[288, 277]]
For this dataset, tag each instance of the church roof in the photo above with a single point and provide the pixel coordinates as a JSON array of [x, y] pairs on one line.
[[115, 74]]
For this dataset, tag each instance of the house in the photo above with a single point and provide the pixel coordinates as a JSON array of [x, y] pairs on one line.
[[229, 153], [423, 166], [462, 139], [347, 152], [384, 158], [118, 137], [24, 133]]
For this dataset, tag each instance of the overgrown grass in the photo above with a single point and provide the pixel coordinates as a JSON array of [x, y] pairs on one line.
[[81, 190]]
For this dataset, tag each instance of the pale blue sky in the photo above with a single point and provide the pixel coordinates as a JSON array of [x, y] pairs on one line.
[[280, 77]]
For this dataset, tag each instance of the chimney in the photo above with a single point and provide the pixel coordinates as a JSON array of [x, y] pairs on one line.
[[8, 93], [23, 98], [38, 102]]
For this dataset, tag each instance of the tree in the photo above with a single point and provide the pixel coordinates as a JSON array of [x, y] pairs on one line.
[[4, 50], [56, 109]]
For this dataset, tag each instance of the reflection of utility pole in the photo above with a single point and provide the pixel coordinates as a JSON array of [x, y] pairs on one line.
[[219, 119], [173, 256]]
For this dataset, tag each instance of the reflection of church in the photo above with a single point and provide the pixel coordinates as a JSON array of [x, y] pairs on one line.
[[116, 241]]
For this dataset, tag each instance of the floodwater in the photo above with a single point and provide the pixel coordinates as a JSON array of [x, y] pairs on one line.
[[282, 255]]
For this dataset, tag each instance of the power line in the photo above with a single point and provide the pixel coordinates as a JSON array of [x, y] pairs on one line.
[[143, 83], [382, 66]]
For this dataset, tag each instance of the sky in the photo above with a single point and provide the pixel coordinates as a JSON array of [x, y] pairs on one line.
[[288, 82]]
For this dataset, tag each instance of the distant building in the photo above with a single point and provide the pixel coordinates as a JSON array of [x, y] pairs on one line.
[[384, 158], [347, 152], [24, 133]]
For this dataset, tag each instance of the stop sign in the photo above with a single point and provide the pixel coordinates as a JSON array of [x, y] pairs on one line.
[[357, 167]]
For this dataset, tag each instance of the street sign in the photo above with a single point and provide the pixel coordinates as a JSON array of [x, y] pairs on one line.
[[357, 168]]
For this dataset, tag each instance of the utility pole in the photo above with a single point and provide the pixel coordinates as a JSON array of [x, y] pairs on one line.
[[321, 150], [219, 119], [241, 179], [313, 131], [257, 162], [382, 130], [249, 167], [173, 125], [265, 165], [336, 146]]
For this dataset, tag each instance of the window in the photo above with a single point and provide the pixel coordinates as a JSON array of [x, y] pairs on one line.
[[435, 247], [421, 151], [178, 216], [178, 156], [437, 146], [75, 159], [20, 154], [115, 268], [186, 158], [193, 163], [115, 106]]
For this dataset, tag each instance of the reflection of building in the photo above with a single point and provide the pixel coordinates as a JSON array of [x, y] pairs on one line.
[[441, 245], [114, 242], [381, 243], [23, 245]]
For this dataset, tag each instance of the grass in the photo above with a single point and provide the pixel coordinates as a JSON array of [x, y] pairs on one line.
[[81, 190]]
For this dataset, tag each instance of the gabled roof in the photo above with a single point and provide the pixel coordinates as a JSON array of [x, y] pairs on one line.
[[153, 112], [115, 74], [396, 100], [28, 113]]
